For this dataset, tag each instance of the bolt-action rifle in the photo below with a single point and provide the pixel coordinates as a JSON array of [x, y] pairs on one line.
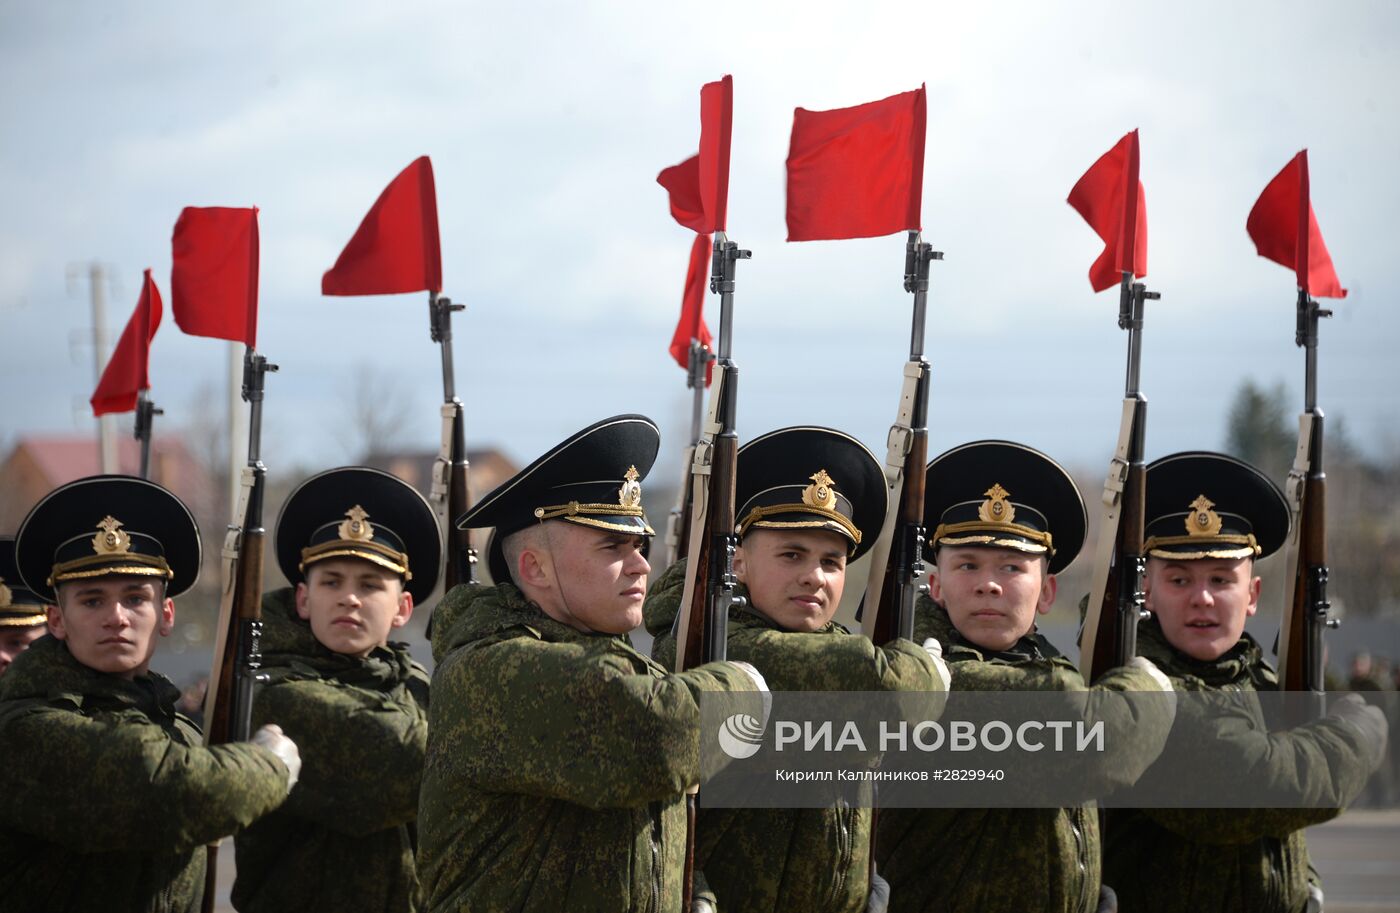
[[1306, 611], [1116, 600], [449, 486], [897, 559], [228, 704], [702, 624], [678, 524]]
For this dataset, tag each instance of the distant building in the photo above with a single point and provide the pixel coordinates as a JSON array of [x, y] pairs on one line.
[[488, 468]]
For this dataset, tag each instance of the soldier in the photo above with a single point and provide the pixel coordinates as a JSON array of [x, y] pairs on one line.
[[362, 548], [21, 612], [1209, 518], [558, 756], [810, 500], [110, 798], [1006, 520]]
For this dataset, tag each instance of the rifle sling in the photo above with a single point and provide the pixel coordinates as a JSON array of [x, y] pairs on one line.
[[700, 466], [900, 439], [1294, 491], [233, 542], [1111, 512]]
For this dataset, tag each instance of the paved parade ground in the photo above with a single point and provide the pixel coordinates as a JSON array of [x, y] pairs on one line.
[[1358, 855]]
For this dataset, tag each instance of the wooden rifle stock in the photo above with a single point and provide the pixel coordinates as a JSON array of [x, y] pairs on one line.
[[450, 471], [702, 624], [1116, 600], [228, 706], [1307, 612]]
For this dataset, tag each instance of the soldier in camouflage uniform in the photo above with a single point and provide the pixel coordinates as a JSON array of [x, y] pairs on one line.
[[809, 501], [558, 756], [21, 612], [362, 548], [1006, 519], [110, 798], [1209, 517]]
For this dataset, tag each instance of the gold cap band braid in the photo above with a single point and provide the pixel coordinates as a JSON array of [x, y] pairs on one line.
[[372, 552], [105, 565], [1223, 545], [829, 517], [22, 621], [983, 532]]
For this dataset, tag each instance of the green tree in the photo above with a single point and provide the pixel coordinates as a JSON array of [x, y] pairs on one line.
[[1261, 429]]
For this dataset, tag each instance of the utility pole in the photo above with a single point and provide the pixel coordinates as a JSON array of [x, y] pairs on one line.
[[106, 428]]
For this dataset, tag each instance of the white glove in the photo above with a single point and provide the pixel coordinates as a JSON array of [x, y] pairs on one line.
[[879, 900], [758, 683], [702, 905], [271, 738], [940, 668]]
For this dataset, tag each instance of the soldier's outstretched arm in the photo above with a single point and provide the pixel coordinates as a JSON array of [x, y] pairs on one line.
[[571, 722], [96, 787], [362, 757], [1294, 778]]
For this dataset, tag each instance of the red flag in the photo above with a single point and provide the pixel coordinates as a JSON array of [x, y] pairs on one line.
[[127, 372], [1104, 197], [857, 172], [716, 123], [396, 247], [692, 322], [214, 273], [682, 183], [1284, 229]]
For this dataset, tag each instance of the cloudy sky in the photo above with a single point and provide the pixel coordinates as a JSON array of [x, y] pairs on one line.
[[547, 124]]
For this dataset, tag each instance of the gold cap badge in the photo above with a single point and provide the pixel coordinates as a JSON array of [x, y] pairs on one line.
[[6, 597], [996, 509], [111, 541], [357, 528], [821, 494], [1202, 521], [630, 494]]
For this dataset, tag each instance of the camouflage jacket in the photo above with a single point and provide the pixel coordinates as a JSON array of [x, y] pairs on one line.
[[109, 797], [778, 859], [345, 838], [1014, 859], [557, 763], [1164, 859]]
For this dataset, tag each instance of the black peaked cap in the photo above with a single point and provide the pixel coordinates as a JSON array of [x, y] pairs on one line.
[[587, 479], [108, 524], [394, 526], [1209, 505], [19, 606], [1046, 513], [778, 485]]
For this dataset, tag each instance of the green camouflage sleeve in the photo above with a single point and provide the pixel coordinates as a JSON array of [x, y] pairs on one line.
[[98, 787], [834, 662], [1319, 765], [1134, 730], [361, 753], [571, 721]]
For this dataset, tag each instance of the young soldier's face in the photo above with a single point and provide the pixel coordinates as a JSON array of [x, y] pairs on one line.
[[1202, 605], [992, 594], [590, 579], [794, 577], [352, 605], [14, 641], [111, 623]]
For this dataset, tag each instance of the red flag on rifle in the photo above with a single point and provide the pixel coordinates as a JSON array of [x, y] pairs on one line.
[[1110, 198], [716, 127], [1284, 229], [127, 373], [682, 183], [396, 247], [214, 273], [857, 172], [692, 322]]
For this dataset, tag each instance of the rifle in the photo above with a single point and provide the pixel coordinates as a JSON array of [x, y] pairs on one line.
[[449, 486], [146, 412], [895, 585], [228, 705], [1307, 612], [1116, 600], [702, 625], [678, 524]]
